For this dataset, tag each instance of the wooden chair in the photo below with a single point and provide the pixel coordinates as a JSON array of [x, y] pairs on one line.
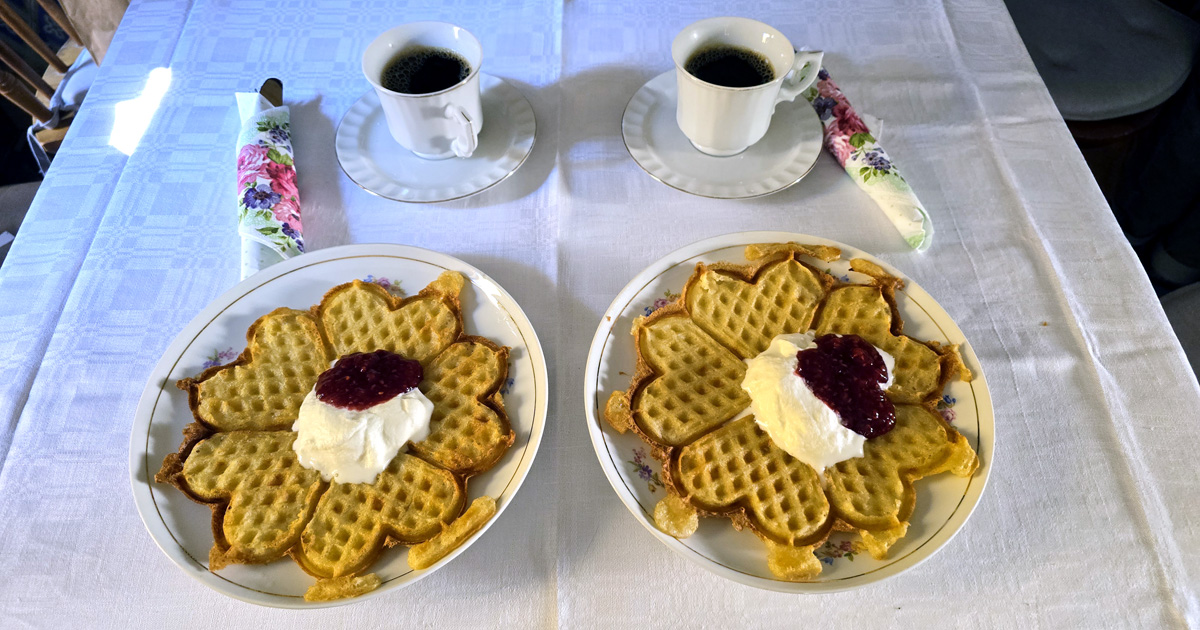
[[23, 86]]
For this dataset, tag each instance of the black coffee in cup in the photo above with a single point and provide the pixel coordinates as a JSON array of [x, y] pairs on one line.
[[730, 66], [424, 70]]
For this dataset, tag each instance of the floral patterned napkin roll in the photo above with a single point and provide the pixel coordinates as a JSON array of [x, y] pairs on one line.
[[858, 151], [268, 201]]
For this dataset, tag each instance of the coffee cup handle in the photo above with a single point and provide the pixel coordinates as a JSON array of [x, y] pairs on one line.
[[805, 67], [465, 143]]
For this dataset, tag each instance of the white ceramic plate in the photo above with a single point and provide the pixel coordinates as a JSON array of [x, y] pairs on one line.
[[218, 334], [943, 501], [371, 158], [783, 157]]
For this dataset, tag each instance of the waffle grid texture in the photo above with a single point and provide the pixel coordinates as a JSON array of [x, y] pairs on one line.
[[237, 456], [685, 400]]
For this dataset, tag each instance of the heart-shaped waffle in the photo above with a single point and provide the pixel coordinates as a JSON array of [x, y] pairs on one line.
[[362, 317], [686, 401], [869, 311], [744, 312], [874, 494], [260, 495], [411, 501], [737, 471], [265, 504], [687, 384], [469, 429], [263, 388]]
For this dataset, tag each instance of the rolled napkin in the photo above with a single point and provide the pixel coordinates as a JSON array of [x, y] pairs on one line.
[[858, 151], [268, 200]]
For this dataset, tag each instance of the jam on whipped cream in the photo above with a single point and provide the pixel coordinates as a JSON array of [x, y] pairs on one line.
[[846, 373], [360, 413], [796, 412], [365, 379]]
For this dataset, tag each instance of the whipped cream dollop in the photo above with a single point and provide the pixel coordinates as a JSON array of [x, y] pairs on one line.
[[785, 407], [354, 443]]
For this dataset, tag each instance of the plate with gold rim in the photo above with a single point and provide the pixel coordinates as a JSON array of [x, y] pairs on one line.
[[943, 502], [217, 335]]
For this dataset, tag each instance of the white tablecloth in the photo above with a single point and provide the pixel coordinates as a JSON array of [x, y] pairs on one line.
[[1090, 519]]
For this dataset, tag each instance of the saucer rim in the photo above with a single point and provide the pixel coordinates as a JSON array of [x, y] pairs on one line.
[[625, 141], [514, 169]]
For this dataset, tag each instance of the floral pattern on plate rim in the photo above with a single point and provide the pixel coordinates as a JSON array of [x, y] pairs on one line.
[[831, 551], [668, 297], [391, 286], [843, 278], [219, 357], [945, 406], [640, 465]]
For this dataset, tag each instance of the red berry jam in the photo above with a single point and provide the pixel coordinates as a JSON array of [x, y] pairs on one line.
[[846, 373], [365, 379]]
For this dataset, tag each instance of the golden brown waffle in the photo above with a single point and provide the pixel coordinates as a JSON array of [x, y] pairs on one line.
[[745, 311], [736, 471], [263, 388], [688, 384], [469, 429], [874, 494], [260, 495], [410, 502], [427, 554], [870, 311], [265, 505], [342, 588], [363, 317], [686, 397]]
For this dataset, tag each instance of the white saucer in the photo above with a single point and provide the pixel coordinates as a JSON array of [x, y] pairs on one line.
[[371, 158], [784, 155]]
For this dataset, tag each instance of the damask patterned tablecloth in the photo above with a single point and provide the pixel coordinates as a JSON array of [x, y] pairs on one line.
[[1090, 518]]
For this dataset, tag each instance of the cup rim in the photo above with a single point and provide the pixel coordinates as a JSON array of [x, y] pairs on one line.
[[474, 67], [683, 71]]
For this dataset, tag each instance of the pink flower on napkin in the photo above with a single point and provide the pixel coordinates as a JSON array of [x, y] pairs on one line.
[[251, 160], [842, 126], [288, 211], [848, 121], [283, 180], [839, 145], [827, 89]]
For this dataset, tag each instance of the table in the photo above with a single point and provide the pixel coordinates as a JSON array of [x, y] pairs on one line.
[[1090, 518]]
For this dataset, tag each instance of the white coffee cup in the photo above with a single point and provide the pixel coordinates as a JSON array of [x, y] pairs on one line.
[[723, 121], [440, 124]]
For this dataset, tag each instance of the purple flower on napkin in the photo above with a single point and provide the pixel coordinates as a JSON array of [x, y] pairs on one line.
[[824, 106], [260, 197], [878, 161], [293, 234]]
